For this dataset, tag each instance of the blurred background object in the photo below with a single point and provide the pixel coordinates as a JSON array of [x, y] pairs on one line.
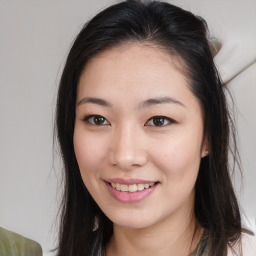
[[13, 244]]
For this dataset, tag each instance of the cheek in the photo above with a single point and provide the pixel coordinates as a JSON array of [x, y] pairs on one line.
[[179, 162], [90, 152], [179, 158]]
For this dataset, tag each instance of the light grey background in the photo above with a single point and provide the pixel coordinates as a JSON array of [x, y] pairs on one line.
[[34, 40]]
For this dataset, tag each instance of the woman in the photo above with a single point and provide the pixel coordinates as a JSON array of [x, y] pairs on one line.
[[144, 132]]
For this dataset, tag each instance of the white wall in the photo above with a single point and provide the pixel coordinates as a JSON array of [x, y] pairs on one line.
[[34, 40]]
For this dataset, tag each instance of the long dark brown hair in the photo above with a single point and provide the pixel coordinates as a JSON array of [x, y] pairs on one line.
[[180, 33]]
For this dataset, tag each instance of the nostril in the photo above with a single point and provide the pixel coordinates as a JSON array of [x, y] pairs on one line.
[[128, 160]]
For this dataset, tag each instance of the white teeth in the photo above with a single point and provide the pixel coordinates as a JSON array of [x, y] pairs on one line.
[[146, 185], [118, 186], [140, 187], [124, 188], [131, 188]]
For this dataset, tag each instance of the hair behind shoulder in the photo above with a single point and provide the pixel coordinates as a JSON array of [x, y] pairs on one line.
[[178, 32]]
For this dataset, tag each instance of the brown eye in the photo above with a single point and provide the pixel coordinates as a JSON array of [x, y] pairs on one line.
[[96, 120], [159, 121]]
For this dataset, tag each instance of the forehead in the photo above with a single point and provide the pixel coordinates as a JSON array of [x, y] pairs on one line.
[[134, 72], [143, 66], [128, 75]]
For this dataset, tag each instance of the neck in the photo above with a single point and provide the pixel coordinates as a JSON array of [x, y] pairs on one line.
[[172, 236]]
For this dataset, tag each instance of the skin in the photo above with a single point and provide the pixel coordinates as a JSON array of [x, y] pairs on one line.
[[128, 144]]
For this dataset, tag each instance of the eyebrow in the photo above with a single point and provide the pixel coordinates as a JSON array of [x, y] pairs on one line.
[[160, 100], [94, 101], [144, 104]]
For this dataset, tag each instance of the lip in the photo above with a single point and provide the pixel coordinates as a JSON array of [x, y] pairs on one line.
[[130, 181], [130, 197]]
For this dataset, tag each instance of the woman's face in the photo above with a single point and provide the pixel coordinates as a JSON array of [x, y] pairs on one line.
[[138, 135]]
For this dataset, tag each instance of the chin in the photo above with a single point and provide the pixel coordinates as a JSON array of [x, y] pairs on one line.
[[131, 221], [132, 224]]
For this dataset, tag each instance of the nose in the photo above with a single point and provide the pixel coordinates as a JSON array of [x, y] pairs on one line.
[[127, 149]]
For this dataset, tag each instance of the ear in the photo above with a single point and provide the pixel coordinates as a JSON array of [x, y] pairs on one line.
[[205, 148]]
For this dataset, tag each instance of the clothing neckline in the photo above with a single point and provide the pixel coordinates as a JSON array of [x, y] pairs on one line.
[[202, 245]]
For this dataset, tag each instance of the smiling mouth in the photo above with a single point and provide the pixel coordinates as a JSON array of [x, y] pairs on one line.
[[132, 187]]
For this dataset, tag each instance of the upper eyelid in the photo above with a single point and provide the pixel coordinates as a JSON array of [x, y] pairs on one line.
[[92, 115], [87, 117], [156, 116], [164, 117]]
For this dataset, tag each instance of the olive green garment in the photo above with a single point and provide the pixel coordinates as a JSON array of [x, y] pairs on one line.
[[201, 249], [202, 246], [12, 244]]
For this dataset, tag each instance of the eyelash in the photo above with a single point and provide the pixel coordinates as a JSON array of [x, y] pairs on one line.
[[87, 120], [162, 118]]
